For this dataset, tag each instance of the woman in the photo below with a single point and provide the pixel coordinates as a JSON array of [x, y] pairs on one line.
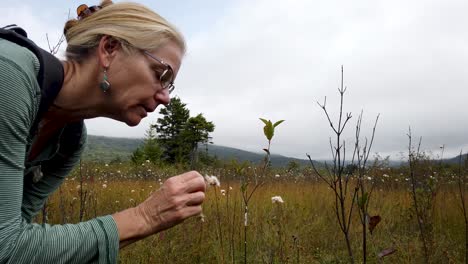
[[122, 60]]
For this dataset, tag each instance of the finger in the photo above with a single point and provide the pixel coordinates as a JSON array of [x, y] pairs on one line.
[[195, 185], [196, 198], [193, 210], [190, 175]]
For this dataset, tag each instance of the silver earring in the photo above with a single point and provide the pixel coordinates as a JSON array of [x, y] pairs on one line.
[[105, 84]]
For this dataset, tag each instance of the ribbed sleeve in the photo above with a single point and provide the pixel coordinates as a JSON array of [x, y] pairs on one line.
[[94, 241], [87, 242]]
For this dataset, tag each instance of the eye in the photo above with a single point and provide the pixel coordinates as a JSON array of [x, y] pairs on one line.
[[166, 78], [158, 72]]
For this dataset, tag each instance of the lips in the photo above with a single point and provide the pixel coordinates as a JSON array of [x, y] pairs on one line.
[[147, 108]]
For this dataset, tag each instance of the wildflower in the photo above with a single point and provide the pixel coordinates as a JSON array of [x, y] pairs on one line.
[[230, 188], [132, 191], [149, 170], [151, 186], [212, 180], [202, 217], [223, 192], [277, 176], [78, 187], [277, 199], [104, 186], [107, 165], [386, 175], [147, 161], [74, 199], [369, 178], [131, 200], [118, 172], [117, 201]]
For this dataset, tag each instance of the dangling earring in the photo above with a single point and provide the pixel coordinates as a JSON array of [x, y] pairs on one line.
[[105, 84]]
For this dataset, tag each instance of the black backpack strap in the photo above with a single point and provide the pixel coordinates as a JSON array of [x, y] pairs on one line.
[[50, 76]]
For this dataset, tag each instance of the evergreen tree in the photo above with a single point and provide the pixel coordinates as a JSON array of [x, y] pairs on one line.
[[150, 150], [196, 131], [151, 147], [179, 134], [169, 128], [138, 156]]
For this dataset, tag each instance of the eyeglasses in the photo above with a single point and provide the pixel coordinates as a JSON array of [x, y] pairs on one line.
[[84, 11], [167, 76]]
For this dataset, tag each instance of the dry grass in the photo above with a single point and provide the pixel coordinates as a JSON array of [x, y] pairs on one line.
[[301, 230]]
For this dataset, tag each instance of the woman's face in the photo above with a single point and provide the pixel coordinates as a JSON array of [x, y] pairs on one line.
[[136, 88]]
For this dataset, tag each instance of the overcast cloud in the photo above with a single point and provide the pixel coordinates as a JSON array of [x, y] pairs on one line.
[[274, 59]]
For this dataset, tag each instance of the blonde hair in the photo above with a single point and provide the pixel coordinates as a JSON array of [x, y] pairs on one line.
[[134, 25]]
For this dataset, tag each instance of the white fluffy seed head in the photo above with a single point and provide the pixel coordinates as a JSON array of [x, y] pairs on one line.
[[212, 180], [277, 199]]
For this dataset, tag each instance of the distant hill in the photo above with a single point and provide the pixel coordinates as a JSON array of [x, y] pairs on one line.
[[228, 153], [456, 160], [102, 148], [106, 149]]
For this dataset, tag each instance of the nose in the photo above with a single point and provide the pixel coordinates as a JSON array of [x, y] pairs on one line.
[[162, 96]]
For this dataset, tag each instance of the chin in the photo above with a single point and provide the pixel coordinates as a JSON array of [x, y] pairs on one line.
[[132, 120]]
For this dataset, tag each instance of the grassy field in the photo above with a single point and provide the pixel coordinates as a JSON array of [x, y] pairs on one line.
[[303, 229]]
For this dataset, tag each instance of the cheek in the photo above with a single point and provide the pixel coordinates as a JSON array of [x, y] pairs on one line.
[[135, 87]]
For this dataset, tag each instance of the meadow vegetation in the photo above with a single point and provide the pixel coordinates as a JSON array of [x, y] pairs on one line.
[[302, 229]]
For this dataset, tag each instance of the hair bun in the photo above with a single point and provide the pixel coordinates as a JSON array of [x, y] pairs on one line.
[[105, 3], [70, 23]]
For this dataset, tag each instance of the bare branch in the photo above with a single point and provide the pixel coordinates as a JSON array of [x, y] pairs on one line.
[[327, 115], [332, 149], [351, 207], [372, 138], [317, 172]]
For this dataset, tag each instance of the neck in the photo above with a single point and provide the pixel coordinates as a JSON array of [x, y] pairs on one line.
[[79, 96]]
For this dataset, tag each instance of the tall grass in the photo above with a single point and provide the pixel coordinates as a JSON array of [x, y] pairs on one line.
[[300, 230]]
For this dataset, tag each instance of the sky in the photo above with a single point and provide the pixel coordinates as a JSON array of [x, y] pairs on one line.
[[403, 60]]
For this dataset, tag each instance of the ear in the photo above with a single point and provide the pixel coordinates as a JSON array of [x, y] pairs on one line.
[[107, 50]]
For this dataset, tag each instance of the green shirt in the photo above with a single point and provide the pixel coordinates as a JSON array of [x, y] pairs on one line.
[[21, 197]]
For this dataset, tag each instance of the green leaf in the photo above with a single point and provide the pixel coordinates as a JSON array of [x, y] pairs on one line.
[[265, 121], [244, 186], [269, 131], [363, 200], [277, 123]]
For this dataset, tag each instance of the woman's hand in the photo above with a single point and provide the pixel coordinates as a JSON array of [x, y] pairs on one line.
[[179, 198]]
